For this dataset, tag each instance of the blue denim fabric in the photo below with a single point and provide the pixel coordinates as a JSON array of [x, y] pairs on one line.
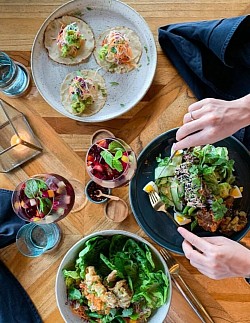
[[213, 57], [9, 221], [15, 304], [243, 135]]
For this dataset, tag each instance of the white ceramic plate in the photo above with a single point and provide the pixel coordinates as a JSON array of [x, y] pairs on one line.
[[130, 87], [68, 261]]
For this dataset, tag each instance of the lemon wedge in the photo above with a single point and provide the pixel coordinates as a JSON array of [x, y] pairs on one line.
[[178, 152], [235, 192], [150, 187], [181, 219]]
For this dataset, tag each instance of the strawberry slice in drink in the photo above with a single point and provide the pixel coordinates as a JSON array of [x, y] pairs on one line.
[[98, 168]]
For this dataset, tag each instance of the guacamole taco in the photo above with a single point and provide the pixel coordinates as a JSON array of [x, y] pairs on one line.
[[83, 92], [69, 40], [118, 50]]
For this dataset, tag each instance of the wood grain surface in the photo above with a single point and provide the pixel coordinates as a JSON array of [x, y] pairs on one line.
[[65, 142]]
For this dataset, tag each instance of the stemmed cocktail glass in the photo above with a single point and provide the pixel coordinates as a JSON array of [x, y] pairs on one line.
[[111, 162], [42, 200]]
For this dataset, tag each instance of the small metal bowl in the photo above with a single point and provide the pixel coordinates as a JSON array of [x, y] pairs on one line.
[[89, 192]]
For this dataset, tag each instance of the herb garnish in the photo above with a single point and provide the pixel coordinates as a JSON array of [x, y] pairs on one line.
[[148, 59], [33, 190], [219, 209], [114, 83], [113, 154]]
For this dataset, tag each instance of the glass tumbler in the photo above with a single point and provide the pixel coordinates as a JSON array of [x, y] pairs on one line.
[[14, 77], [33, 240]]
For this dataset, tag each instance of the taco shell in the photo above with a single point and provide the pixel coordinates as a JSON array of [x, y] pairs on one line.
[[134, 43], [50, 40], [101, 95]]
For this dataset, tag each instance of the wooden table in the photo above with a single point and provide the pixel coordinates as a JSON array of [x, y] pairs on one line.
[[65, 142]]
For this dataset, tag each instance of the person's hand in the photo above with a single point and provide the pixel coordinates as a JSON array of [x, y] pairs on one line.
[[216, 257], [211, 120]]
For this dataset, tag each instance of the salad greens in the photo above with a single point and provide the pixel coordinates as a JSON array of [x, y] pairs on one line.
[[132, 263], [197, 182]]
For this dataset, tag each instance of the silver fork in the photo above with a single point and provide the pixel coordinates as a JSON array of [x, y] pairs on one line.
[[174, 268], [159, 205]]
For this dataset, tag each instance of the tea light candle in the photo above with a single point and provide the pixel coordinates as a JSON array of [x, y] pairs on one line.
[[15, 140]]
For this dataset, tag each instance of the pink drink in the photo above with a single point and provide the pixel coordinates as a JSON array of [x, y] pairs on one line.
[[111, 162], [44, 198]]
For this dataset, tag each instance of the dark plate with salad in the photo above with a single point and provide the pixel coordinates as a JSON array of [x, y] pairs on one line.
[[113, 276], [207, 187]]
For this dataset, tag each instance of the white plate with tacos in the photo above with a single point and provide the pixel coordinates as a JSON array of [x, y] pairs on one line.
[[84, 42]]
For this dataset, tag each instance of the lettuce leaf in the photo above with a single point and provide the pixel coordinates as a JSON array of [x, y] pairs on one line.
[[133, 261]]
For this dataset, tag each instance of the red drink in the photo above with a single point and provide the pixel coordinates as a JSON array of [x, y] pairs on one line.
[[111, 162], [44, 198]]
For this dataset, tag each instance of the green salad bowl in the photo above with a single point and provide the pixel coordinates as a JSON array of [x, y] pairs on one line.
[[68, 262]]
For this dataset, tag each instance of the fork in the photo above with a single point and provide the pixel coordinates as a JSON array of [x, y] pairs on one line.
[[174, 268], [159, 205]]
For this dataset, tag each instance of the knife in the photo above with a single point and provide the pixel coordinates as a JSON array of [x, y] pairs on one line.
[[190, 302]]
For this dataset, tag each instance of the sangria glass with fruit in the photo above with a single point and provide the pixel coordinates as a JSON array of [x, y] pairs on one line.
[[111, 162], [42, 200]]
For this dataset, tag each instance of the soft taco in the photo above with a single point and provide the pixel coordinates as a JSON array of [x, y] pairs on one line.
[[83, 92], [69, 40], [118, 50]]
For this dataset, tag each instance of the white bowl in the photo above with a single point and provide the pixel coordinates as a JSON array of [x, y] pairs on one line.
[[68, 261]]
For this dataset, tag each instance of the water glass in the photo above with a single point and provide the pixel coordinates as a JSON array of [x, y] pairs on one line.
[[33, 240], [14, 77]]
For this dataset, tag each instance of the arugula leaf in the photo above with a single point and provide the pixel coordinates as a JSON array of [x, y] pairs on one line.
[[219, 209]]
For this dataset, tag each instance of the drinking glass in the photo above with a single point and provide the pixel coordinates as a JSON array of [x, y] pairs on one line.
[[111, 162], [43, 198], [14, 77], [33, 240]]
